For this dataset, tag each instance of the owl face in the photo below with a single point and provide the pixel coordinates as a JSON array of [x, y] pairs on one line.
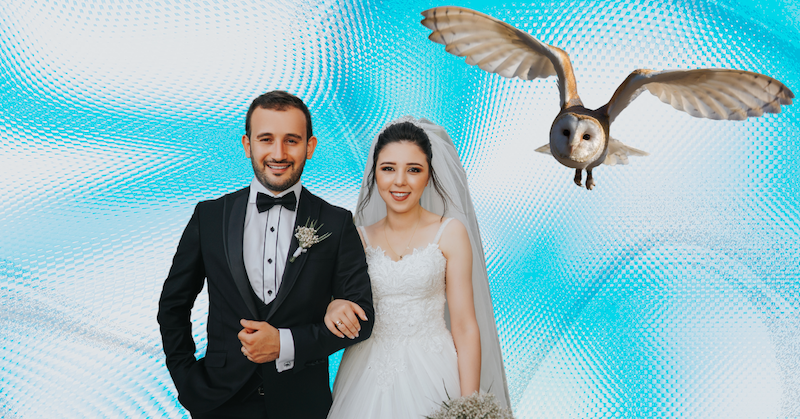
[[577, 139]]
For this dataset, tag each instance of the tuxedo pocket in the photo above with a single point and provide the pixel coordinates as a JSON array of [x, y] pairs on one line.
[[322, 361], [215, 359]]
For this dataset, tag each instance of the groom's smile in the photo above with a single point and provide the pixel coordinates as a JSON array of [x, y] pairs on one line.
[[278, 167], [277, 147]]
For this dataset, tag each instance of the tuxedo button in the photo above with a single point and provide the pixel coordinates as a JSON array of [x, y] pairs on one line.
[[269, 292], [272, 229], [269, 260]]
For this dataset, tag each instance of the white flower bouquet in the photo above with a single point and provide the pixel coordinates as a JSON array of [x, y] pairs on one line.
[[478, 405]]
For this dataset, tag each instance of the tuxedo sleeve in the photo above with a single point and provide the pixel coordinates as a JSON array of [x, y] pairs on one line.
[[349, 281], [184, 281]]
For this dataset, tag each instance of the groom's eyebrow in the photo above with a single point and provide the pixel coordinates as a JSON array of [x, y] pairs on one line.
[[269, 134]]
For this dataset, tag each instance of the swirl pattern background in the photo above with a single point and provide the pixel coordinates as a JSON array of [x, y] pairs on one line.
[[671, 289]]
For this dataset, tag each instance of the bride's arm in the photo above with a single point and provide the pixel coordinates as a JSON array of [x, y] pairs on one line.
[[345, 312], [341, 320], [456, 248]]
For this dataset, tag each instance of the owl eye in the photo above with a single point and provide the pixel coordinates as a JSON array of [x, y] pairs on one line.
[[565, 132], [586, 136]]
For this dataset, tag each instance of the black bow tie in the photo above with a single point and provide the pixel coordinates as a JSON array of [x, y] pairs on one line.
[[264, 202]]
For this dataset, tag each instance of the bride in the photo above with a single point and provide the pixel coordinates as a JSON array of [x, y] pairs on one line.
[[434, 335]]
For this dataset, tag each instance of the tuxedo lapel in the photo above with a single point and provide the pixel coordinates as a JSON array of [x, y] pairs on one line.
[[235, 210], [307, 211]]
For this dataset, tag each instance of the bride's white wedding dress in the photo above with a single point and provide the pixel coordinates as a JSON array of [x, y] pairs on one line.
[[408, 366]]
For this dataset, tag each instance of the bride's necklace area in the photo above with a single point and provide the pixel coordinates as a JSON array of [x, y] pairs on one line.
[[399, 256]]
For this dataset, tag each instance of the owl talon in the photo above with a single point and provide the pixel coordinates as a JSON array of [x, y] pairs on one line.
[[589, 181], [578, 176]]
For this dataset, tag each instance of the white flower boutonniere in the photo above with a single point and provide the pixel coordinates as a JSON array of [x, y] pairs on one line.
[[307, 236]]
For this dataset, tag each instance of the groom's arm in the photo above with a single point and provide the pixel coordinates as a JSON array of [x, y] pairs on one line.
[[183, 283], [349, 281]]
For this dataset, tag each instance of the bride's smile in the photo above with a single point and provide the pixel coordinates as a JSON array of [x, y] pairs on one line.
[[402, 175]]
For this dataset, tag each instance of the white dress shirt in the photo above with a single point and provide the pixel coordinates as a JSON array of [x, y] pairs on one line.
[[267, 237]]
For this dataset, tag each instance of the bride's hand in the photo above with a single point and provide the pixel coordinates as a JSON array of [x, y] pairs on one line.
[[341, 318]]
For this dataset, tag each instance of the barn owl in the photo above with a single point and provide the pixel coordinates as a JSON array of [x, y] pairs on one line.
[[579, 137]]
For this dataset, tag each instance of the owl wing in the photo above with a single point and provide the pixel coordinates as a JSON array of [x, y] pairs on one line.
[[619, 152], [544, 149], [500, 48], [705, 93]]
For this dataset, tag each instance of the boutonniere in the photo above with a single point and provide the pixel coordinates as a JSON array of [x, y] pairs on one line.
[[307, 236]]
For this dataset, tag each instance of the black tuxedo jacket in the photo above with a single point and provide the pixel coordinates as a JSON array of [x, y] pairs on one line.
[[211, 248]]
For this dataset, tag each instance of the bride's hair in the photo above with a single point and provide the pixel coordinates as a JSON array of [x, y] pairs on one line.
[[404, 132]]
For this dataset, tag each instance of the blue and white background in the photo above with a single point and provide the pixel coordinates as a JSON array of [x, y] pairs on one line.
[[672, 289]]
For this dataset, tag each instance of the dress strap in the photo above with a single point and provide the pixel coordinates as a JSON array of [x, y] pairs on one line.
[[441, 230], [364, 235]]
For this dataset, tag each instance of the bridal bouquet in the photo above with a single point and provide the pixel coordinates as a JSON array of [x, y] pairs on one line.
[[478, 405]]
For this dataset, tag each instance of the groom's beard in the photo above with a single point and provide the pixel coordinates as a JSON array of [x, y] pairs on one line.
[[284, 182]]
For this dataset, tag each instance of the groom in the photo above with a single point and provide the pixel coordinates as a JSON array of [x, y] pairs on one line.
[[268, 348]]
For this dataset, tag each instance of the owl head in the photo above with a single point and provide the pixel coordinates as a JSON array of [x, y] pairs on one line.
[[577, 138]]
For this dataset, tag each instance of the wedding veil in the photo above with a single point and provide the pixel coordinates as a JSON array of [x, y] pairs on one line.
[[453, 179]]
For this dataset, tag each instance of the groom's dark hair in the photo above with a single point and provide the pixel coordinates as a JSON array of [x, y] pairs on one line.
[[279, 100]]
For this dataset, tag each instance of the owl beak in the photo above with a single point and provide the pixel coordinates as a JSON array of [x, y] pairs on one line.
[[573, 144]]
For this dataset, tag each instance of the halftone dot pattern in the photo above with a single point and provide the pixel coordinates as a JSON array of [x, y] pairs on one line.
[[670, 290]]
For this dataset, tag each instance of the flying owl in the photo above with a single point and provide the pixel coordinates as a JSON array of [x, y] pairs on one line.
[[579, 137]]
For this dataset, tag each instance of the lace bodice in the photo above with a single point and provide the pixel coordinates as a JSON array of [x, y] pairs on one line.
[[409, 294]]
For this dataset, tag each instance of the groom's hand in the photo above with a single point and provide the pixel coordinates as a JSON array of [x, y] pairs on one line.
[[260, 341]]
